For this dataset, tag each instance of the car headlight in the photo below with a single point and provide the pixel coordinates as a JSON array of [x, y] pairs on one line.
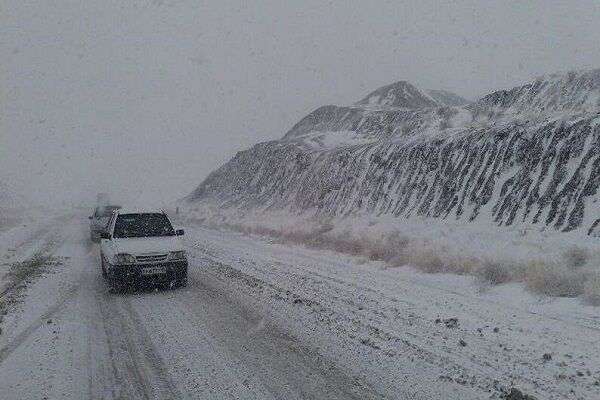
[[124, 258], [177, 255]]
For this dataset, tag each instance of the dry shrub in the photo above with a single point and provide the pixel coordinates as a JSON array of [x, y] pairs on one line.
[[591, 289], [552, 279], [463, 265], [427, 260], [495, 272], [343, 243], [576, 257], [391, 249]]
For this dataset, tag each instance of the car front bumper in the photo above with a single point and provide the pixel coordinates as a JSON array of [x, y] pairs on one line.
[[174, 271]]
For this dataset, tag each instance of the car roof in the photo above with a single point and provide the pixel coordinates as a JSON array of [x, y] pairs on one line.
[[113, 206], [139, 210]]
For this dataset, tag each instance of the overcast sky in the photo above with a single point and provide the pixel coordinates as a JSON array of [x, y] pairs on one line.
[[145, 98]]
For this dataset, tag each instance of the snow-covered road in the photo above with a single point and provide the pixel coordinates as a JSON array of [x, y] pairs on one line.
[[261, 320]]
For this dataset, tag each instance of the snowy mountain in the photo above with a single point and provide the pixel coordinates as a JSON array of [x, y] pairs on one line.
[[399, 94], [571, 92], [402, 94], [529, 155], [447, 98]]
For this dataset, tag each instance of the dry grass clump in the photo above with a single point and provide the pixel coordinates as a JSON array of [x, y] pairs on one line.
[[427, 260], [554, 279], [391, 248], [464, 265], [345, 244], [591, 289], [495, 272], [576, 257]]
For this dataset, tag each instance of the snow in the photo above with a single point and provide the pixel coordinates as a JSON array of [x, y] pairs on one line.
[[383, 316], [31, 231], [262, 319], [331, 140], [436, 245]]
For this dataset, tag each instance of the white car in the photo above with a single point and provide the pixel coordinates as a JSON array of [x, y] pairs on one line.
[[142, 245]]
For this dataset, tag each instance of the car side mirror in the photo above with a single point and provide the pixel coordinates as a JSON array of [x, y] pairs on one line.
[[104, 235], [179, 232]]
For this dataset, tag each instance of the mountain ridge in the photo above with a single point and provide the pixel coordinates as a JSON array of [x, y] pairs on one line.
[[527, 155]]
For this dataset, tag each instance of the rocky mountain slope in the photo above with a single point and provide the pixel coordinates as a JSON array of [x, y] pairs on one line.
[[529, 155]]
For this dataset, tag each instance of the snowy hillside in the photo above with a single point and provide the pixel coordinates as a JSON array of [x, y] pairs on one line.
[[504, 189], [529, 155], [572, 92]]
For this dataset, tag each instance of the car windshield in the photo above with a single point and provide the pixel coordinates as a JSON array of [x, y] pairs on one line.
[[142, 225]]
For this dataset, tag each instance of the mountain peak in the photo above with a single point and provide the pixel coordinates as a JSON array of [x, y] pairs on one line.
[[401, 94]]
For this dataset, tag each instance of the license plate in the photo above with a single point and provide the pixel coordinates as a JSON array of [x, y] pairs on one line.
[[153, 270]]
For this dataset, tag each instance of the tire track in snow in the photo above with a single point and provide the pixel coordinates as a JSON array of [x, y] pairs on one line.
[[138, 372], [41, 320], [256, 343], [150, 353]]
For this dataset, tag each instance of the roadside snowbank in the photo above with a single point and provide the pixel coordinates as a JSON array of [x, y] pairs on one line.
[[547, 262]]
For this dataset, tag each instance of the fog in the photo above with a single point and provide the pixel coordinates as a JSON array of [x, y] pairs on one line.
[[143, 99]]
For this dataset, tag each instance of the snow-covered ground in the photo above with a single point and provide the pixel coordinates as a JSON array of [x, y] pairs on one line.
[[265, 320], [558, 264], [388, 324], [24, 234]]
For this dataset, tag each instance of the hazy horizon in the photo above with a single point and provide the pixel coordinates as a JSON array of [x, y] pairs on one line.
[[144, 99]]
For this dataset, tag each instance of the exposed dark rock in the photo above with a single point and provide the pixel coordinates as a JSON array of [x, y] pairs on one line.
[[451, 322]]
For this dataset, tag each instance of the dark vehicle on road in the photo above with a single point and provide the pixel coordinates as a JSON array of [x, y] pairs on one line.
[[99, 220]]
